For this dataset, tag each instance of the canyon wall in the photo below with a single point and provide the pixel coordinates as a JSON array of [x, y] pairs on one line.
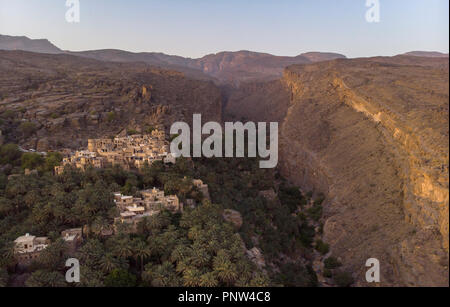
[[372, 134]]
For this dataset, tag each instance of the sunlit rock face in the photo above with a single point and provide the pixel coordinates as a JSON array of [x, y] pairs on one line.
[[373, 135]]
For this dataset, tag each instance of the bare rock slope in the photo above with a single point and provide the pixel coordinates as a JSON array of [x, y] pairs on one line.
[[62, 100], [373, 135]]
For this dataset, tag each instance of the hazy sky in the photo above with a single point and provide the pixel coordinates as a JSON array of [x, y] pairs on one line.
[[194, 28]]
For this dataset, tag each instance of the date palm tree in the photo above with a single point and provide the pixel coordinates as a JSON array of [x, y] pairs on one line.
[[123, 249], [109, 263], [191, 277], [208, 280], [161, 276], [224, 268], [141, 251], [7, 254], [99, 225], [42, 278], [180, 253]]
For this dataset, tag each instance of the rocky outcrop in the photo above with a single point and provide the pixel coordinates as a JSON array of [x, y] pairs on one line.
[[373, 135], [69, 99], [256, 256]]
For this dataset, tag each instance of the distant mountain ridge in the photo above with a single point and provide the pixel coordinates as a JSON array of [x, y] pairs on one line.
[[26, 44], [227, 67], [427, 54], [222, 67]]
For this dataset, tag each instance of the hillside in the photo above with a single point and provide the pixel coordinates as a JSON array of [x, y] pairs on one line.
[[24, 43], [66, 99], [226, 67], [372, 134], [431, 54], [223, 67]]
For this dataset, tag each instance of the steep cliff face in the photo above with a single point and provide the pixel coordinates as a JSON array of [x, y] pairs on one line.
[[373, 135], [64, 99], [258, 101]]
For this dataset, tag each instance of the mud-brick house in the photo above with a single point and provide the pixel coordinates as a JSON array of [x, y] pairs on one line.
[[27, 248]]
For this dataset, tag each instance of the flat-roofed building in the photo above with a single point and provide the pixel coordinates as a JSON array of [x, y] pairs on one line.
[[153, 201], [27, 248], [132, 151]]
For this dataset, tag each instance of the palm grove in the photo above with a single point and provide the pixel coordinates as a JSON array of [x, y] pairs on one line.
[[194, 248]]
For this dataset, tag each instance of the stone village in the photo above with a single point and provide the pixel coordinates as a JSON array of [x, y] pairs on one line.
[[128, 152]]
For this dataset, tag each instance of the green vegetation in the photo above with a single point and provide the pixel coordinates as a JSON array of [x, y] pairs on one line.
[[120, 278], [332, 263], [236, 184], [10, 154], [31, 160], [292, 275], [43, 278], [8, 114], [27, 128], [322, 247], [193, 248], [291, 197], [51, 160], [132, 132], [42, 163], [111, 116], [315, 212], [149, 129], [343, 279], [327, 273]]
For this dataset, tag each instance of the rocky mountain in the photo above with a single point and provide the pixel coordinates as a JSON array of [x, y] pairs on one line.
[[64, 99], [24, 43], [430, 54], [161, 60], [322, 56], [223, 67], [372, 134]]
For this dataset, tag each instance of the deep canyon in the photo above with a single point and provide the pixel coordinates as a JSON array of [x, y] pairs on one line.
[[371, 134]]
